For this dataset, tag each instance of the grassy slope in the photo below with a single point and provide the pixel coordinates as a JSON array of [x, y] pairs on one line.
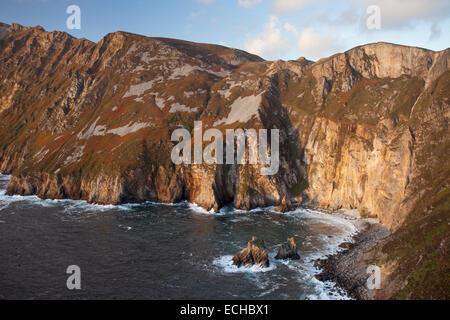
[[421, 248]]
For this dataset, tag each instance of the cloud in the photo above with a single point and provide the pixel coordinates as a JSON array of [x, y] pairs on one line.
[[270, 43], [248, 3], [315, 45], [277, 40], [326, 28], [205, 1], [288, 6], [290, 28], [394, 13]]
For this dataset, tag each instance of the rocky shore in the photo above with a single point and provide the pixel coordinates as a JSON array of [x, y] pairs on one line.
[[348, 268]]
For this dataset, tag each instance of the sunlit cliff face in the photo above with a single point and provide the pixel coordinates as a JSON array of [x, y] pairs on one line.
[[364, 129]]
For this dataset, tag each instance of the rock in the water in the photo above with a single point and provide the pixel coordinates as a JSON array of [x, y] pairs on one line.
[[252, 255], [288, 251]]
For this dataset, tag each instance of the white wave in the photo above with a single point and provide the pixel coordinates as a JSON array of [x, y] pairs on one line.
[[126, 228], [327, 291], [146, 203], [197, 209], [225, 263], [226, 210], [342, 228], [320, 290], [231, 210], [84, 205], [343, 231], [67, 203], [16, 198]]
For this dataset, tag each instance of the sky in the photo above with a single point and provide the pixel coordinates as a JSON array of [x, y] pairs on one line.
[[272, 29]]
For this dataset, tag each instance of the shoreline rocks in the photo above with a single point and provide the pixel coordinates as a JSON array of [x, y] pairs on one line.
[[348, 268]]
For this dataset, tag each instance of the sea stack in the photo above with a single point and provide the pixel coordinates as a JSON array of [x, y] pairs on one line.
[[252, 255], [288, 251]]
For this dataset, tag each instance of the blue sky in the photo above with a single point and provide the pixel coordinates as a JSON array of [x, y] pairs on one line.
[[273, 29]]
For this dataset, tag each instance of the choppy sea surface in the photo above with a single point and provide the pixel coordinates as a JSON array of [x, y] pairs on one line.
[[156, 251]]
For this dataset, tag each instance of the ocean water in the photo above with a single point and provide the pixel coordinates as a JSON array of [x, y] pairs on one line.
[[156, 251]]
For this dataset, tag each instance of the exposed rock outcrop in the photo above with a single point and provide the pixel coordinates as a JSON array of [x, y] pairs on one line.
[[285, 206], [288, 251], [254, 254]]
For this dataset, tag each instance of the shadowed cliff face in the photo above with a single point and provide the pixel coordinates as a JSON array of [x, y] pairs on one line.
[[366, 129]]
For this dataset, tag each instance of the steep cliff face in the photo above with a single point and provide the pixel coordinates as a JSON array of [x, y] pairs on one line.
[[94, 121], [369, 169], [366, 129], [359, 116]]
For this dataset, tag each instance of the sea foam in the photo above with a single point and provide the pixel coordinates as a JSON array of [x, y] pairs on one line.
[[225, 264]]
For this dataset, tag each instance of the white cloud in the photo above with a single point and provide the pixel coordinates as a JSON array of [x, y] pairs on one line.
[[248, 3], [277, 40], [323, 29], [205, 1], [290, 28], [315, 45], [394, 13], [270, 43], [287, 6]]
